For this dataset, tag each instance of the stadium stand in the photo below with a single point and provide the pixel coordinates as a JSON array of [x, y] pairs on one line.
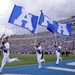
[[24, 43]]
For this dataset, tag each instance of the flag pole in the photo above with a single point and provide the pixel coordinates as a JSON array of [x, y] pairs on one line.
[[5, 31], [35, 37], [34, 40]]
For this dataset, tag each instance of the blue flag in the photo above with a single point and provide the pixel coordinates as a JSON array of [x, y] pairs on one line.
[[64, 29], [22, 19], [45, 21]]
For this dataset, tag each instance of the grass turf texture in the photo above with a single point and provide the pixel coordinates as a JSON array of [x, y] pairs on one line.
[[27, 59]]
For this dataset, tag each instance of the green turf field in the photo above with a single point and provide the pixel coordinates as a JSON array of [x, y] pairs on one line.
[[26, 59]]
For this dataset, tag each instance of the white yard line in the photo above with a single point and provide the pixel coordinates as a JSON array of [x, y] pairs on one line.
[[15, 74], [71, 64], [61, 69]]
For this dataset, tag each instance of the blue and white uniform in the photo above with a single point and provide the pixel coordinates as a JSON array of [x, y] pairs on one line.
[[58, 54], [6, 57], [39, 55]]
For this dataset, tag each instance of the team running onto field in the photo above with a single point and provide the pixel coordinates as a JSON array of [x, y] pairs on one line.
[[39, 52]]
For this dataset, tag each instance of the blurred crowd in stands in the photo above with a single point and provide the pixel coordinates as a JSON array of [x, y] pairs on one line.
[[24, 44]]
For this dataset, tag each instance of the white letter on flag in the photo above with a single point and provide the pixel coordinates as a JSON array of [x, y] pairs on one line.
[[19, 20], [62, 29]]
